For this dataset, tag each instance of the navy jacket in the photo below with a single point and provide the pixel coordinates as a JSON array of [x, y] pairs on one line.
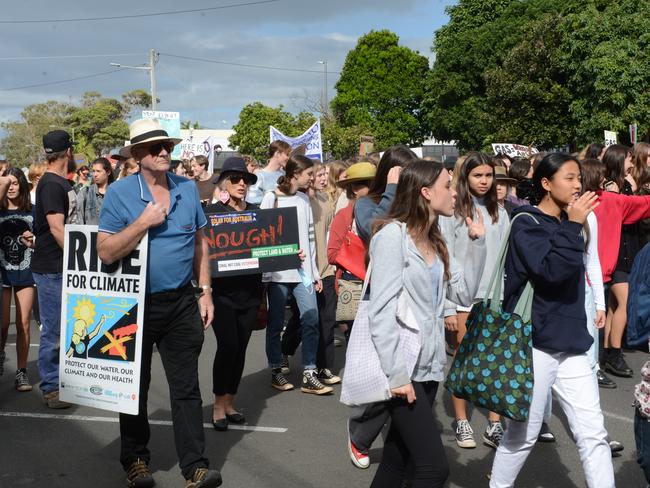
[[550, 254]]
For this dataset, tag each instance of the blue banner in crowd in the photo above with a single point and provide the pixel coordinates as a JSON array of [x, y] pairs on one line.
[[310, 139]]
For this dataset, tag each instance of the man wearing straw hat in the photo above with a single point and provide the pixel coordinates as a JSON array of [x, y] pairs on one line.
[[168, 208]]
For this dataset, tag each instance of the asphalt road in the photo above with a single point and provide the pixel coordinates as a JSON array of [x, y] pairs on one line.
[[299, 440]]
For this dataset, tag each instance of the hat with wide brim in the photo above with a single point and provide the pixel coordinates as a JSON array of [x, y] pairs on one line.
[[358, 172], [236, 165], [501, 176], [144, 131]]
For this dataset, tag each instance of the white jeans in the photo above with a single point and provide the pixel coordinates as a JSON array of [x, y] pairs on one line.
[[575, 386]]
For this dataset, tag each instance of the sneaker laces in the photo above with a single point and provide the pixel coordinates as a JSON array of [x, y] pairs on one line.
[[495, 431], [138, 469], [313, 380], [279, 378], [464, 430], [326, 373], [199, 474], [21, 377]]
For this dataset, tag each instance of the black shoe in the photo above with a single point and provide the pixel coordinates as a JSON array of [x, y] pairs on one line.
[[138, 475], [616, 365], [221, 425], [615, 446], [545, 434], [311, 384], [204, 478], [279, 382], [236, 418], [604, 381]]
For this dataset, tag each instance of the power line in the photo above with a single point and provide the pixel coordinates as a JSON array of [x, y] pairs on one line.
[[94, 75], [243, 65], [75, 56], [136, 16]]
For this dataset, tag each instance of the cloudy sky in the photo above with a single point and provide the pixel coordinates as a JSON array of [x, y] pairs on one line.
[[292, 34]]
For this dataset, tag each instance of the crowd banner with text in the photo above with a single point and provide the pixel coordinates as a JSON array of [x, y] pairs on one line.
[[253, 241], [514, 150], [194, 146], [170, 122], [102, 313], [610, 138], [311, 139]]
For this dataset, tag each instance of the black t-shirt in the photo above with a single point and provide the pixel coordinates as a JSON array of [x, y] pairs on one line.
[[54, 195]]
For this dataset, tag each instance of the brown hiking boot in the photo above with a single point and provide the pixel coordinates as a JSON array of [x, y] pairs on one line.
[[51, 400], [138, 475], [204, 478]]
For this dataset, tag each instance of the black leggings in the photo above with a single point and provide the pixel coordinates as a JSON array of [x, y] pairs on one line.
[[233, 329], [413, 440]]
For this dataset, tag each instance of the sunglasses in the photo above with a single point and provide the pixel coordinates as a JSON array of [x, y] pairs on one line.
[[154, 149], [234, 179]]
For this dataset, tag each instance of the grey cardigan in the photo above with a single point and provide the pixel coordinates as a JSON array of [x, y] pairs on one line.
[[397, 264]]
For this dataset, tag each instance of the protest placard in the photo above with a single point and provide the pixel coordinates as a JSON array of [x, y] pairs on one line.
[[170, 122], [514, 150], [311, 139], [633, 132], [253, 241], [194, 146], [102, 311], [610, 138]]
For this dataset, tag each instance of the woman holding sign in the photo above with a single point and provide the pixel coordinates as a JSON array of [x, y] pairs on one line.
[[236, 302], [303, 283]]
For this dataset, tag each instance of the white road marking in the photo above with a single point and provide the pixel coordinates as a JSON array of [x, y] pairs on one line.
[[13, 344], [89, 418], [622, 418]]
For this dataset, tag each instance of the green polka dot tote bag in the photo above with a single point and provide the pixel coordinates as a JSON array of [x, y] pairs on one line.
[[493, 367]]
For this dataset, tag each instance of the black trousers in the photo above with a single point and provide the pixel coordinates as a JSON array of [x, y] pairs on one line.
[[413, 440], [172, 322], [232, 328], [291, 338]]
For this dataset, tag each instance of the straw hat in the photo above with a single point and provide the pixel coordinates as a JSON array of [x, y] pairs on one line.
[[143, 131], [501, 174], [358, 172]]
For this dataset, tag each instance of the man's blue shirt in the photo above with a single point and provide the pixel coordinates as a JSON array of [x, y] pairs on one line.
[[171, 244]]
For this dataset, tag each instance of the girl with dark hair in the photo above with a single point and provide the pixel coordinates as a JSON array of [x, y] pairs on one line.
[[90, 198], [382, 189], [302, 283], [16, 226], [618, 174], [477, 195], [547, 248], [413, 261]]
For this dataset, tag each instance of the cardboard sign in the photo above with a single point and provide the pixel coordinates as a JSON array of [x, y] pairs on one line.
[[253, 241], [610, 138], [102, 314], [194, 146], [514, 150]]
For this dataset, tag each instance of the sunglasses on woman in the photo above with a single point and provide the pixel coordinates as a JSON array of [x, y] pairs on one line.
[[234, 179]]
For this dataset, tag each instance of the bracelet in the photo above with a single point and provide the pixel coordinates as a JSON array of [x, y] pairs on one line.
[[206, 288]]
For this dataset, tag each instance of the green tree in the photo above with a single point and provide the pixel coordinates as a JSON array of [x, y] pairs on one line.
[[252, 130], [548, 72], [188, 124], [381, 87]]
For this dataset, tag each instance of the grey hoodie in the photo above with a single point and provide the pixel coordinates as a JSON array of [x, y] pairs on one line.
[[397, 264]]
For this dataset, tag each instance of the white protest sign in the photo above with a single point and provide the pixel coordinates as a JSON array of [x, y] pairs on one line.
[[633, 132], [311, 139], [170, 122], [610, 138], [102, 313], [194, 146], [514, 150]]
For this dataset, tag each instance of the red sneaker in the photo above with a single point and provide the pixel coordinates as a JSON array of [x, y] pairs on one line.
[[359, 459]]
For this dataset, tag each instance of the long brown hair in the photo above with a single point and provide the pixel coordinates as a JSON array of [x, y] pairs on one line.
[[614, 160], [464, 202], [296, 165], [399, 155], [24, 203], [641, 152], [410, 207]]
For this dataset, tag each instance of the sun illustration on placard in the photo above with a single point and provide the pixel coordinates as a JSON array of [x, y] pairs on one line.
[[84, 310]]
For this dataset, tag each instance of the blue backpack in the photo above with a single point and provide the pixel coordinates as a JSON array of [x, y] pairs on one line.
[[638, 300]]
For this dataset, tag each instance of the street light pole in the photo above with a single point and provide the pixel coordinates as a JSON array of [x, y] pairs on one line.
[[151, 68]]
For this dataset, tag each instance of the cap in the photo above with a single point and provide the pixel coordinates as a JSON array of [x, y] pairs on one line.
[[56, 141]]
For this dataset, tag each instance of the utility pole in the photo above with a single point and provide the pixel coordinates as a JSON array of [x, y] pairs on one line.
[[325, 100], [153, 58], [151, 67]]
